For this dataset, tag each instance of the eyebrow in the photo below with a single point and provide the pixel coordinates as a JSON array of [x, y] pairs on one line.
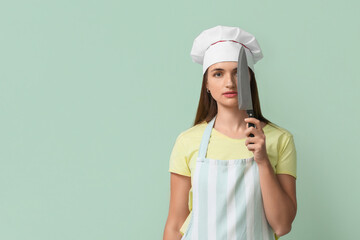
[[220, 69]]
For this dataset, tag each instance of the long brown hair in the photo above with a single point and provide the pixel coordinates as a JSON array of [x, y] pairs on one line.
[[207, 108]]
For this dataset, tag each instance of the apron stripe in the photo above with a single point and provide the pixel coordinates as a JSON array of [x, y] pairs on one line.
[[203, 201], [231, 211], [258, 225], [194, 232], [249, 188], [221, 208], [240, 202], [187, 232], [265, 230], [212, 179]]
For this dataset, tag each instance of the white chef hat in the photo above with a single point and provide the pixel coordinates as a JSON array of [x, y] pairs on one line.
[[223, 43]]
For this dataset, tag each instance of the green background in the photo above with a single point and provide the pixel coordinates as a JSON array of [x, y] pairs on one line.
[[94, 93]]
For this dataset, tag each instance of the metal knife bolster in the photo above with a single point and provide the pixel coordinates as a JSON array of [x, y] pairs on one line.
[[250, 113]]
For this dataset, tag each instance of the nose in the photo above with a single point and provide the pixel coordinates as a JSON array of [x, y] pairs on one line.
[[231, 79]]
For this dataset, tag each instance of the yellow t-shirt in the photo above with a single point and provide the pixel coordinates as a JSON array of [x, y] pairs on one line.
[[280, 148]]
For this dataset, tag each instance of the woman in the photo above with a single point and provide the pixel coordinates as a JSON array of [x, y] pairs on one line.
[[224, 183]]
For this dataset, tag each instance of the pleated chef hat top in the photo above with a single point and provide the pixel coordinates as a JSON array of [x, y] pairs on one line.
[[223, 43]]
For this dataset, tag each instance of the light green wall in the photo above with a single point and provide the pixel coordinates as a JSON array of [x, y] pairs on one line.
[[94, 93]]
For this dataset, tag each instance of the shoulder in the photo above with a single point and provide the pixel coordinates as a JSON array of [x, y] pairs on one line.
[[276, 130], [278, 135], [192, 134]]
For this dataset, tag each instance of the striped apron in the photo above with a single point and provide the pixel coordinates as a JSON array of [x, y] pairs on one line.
[[227, 201]]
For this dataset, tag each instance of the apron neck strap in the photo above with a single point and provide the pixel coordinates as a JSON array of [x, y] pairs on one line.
[[205, 139]]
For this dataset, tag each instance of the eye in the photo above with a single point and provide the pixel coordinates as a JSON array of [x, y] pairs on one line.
[[216, 74]]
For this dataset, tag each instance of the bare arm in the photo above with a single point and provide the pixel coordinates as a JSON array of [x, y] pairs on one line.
[[279, 196], [178, 209]]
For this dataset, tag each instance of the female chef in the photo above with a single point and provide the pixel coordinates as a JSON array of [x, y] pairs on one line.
[[226, 184]]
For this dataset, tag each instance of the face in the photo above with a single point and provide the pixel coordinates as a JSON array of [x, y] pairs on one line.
[[221, 79]]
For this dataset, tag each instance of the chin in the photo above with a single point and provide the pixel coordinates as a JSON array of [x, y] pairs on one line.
[[229, 105]]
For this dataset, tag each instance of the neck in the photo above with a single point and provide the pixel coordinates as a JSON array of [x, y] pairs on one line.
[[231, 120]]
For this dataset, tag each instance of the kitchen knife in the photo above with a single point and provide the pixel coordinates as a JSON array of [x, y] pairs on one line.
[[243, 86]]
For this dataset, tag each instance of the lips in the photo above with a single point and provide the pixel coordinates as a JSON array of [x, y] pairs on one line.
[[232, 92]]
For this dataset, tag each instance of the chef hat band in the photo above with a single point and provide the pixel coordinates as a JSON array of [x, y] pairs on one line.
[[225, 51], [226, 41], [222, 43]]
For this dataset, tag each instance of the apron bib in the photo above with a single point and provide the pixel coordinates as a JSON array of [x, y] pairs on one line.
[[227, 200]]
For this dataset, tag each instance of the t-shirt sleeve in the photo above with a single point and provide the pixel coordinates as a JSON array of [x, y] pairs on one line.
[[179, 159], [287, 156]]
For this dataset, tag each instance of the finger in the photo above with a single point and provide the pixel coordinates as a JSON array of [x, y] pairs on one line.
[[251, 140], [255, 121], [252, 130], [251, 147]]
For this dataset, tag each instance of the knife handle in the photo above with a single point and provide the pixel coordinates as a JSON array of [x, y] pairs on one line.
[[251, 114]]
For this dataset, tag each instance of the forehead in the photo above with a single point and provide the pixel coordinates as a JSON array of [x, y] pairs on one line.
[[225, 65]]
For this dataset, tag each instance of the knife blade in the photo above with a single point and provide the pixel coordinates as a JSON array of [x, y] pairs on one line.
[[243, 86]]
